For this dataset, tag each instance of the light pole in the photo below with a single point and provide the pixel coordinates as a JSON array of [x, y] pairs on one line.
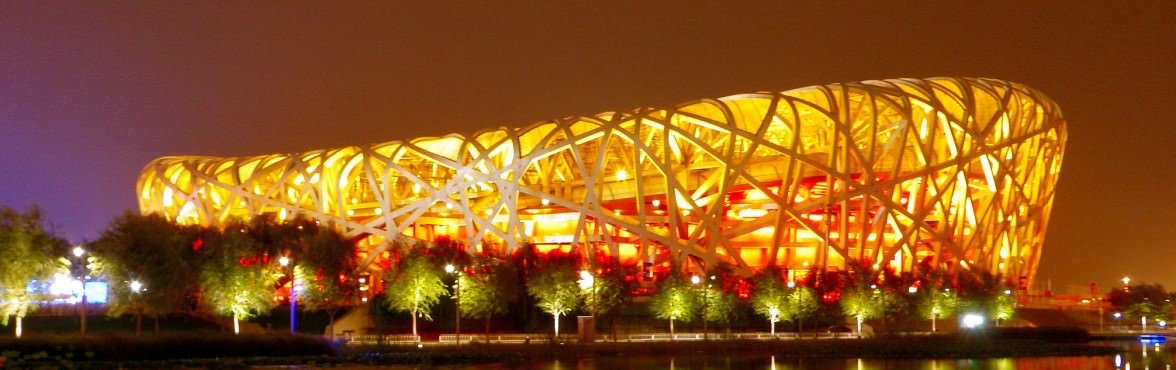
[[136, 288], [696, 280], [80, 253], [285, 261], [450, 269], [588, 282]]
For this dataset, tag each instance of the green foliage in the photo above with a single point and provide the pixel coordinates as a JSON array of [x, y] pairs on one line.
[[1123, 299], [1156, 312], [556, 289], [28, 252], [154, 251], [802, 303], [863, 303], [236, 280], [606, 294], [415, 286], [719, 306], [1003, 307], [323, 268], [675, 300], [938, 304], [490, 290], [770, 294]]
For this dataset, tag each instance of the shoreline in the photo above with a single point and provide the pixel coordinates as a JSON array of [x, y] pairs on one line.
[[929, 347]]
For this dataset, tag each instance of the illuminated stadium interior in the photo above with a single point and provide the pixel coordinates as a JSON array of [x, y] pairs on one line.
[[953, 173]]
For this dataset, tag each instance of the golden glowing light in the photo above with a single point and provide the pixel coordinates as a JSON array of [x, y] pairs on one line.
[[886, 170]]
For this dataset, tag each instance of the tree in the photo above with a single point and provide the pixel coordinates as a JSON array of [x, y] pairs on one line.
[[1142, 301], [802, 303], [769, 298], [155, 252], [862, 304], [556, 289], [938, 304], [720, 305], [674, 300], [488, 290], [324, 270], [237, 279], [1003, 307], [415, 287], [28, 252]]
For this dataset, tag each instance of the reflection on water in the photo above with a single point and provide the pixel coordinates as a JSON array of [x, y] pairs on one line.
[[1134, 357]]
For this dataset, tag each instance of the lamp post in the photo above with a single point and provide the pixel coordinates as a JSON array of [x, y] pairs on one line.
[[696, 281], [80, 253], [285, 261], [450, 269], [136, 288]]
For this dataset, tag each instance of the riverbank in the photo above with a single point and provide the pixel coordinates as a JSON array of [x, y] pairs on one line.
[[892, 347], [227, 351]]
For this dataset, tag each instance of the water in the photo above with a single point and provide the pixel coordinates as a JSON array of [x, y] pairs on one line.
[[1134, 357]]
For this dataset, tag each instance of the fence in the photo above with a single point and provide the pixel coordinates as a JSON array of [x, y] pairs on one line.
[[641, 337]]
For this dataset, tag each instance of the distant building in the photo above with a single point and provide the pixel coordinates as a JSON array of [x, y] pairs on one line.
[[951, 173]]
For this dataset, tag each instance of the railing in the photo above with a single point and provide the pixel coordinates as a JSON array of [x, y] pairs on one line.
[[381, 339], [505, 338], [640, 337]]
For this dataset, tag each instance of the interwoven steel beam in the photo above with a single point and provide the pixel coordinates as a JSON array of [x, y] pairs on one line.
[[947, 172]]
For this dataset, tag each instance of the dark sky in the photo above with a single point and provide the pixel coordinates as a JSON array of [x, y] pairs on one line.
[[89, 94]]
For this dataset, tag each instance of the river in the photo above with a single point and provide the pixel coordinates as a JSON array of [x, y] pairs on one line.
[[1135, 356]]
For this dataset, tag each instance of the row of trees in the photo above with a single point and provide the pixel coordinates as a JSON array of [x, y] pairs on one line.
[[157, 268], [558, 284], [1142, 302]]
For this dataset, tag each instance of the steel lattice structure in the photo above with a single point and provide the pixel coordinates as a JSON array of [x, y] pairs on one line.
[[951, 172]]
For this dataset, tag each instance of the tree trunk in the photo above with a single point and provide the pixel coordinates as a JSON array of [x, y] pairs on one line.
[[932, 323], [19, 326], [556, 315], [671, 330], [236, 324], [487, 328], [138, 322], [414, 328]]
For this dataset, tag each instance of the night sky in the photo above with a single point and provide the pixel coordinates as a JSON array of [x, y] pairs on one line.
[[88, 95]]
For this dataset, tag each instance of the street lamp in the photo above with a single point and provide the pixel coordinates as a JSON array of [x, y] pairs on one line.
[[705, 297], [79, 253], [588, 282], [450, 269], [136, 288], [293, 297]]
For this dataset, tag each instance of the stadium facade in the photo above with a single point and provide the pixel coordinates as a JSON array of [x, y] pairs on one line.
[[952, 173]]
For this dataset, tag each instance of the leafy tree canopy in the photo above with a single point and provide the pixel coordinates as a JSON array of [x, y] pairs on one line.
[[556, 288], [674, 300], [237, 278], [415, 286], [28, 251]]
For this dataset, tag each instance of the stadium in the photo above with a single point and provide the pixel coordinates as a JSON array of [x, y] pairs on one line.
[[947, 173]]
